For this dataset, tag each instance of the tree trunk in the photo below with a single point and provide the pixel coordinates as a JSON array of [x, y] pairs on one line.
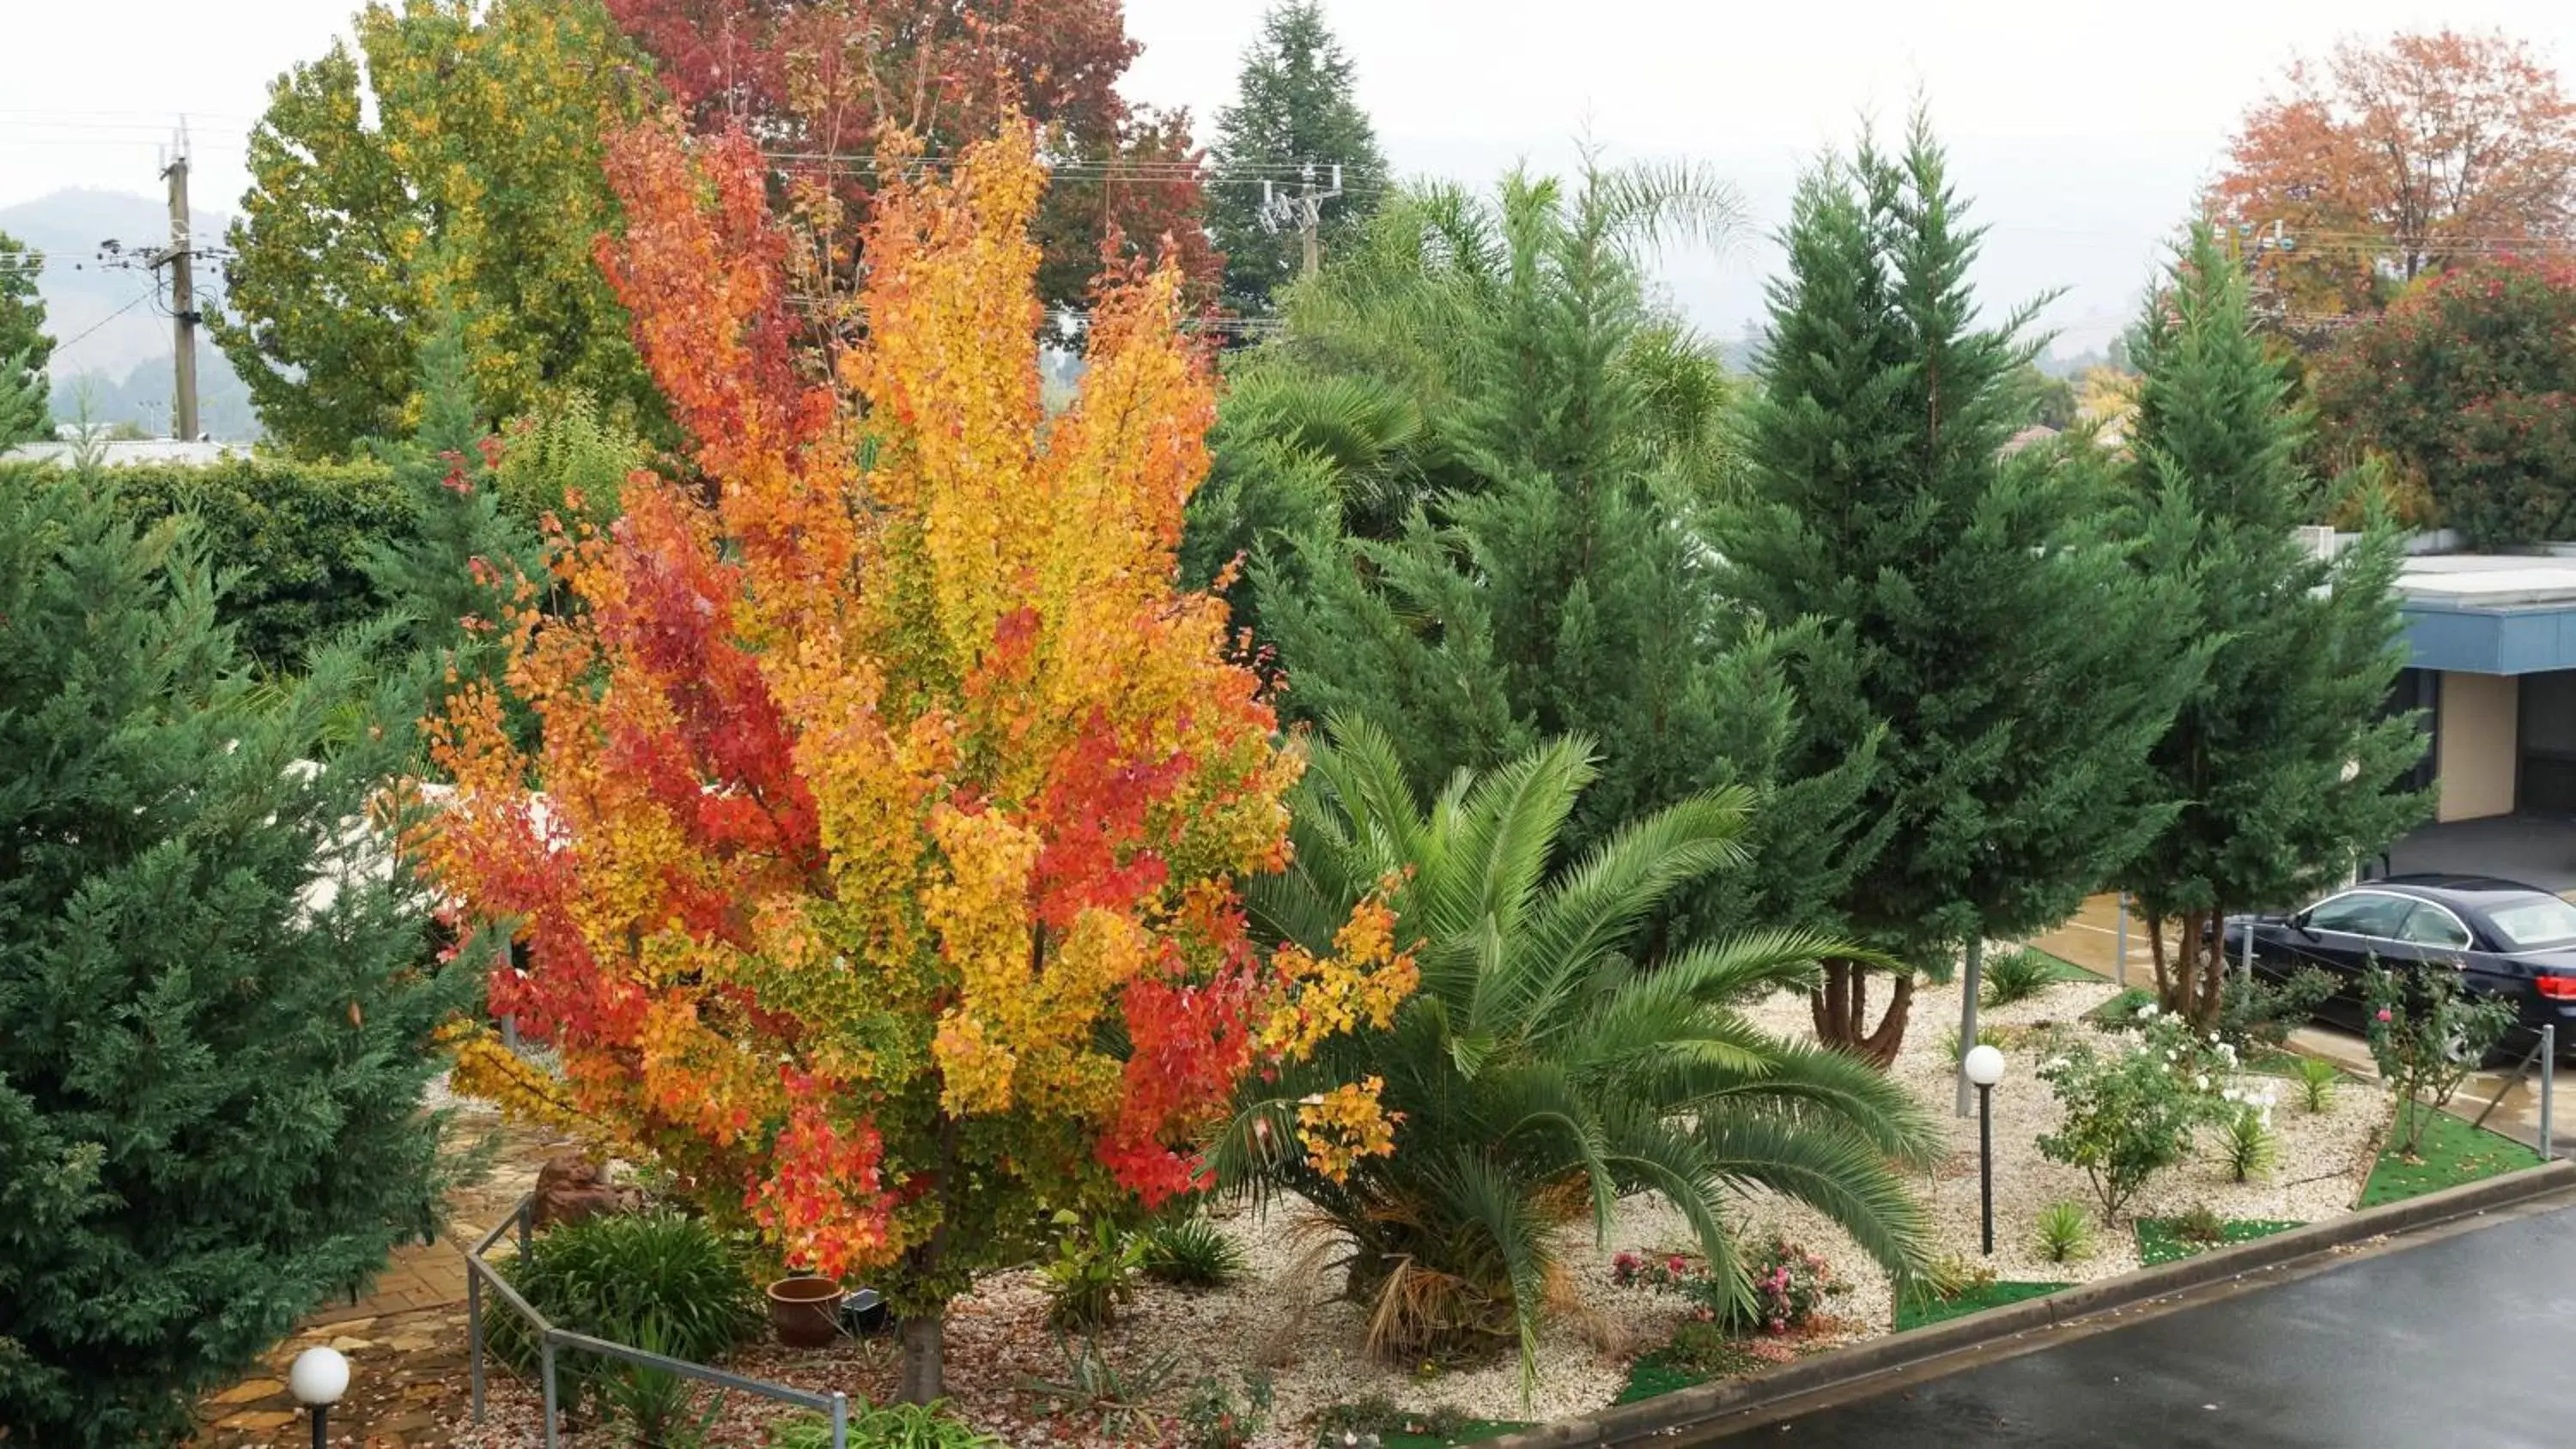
[[1971, 977], [924, 1344], [2156, 952], [1841, 1013]]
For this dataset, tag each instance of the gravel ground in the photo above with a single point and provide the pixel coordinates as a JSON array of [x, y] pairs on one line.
[[998, 1342]]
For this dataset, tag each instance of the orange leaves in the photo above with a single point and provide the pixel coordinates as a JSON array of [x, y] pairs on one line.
[[890, 801], [1339, 1127]]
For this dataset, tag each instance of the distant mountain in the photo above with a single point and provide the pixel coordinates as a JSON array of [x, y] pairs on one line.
[[112, 331]]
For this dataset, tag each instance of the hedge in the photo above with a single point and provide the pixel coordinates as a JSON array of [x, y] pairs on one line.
[[290, 535]]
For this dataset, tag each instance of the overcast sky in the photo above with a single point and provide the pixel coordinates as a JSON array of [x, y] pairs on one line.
[[2081, 130]]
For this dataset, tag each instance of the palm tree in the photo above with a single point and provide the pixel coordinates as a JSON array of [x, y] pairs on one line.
[[1539, 1073]]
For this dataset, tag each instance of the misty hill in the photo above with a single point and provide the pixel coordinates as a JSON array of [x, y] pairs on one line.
[[112, 331]]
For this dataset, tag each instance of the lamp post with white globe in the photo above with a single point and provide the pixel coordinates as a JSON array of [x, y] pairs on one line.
[[318, 1378], [1985, 1067]]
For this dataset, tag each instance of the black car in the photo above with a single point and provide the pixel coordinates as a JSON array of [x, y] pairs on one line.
[[2504, 938]]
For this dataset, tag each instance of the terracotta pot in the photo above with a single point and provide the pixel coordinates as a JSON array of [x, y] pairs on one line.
[[805, 1311]]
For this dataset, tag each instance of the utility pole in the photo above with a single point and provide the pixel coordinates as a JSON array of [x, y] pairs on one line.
[[1305, 211], [183, 299]]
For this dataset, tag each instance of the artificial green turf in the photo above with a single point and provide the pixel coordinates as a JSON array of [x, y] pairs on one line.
[[2066, 970], [2119, 1009], [1912, 1312], [2158, 1244], [1474, 1431], [2453, 1153]]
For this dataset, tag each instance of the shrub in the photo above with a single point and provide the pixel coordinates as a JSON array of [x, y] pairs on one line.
[[1191, 1253], [1120, 1395], [893, 1426], [623, 1276], [2257, 1012], [1367, 1419], [1789, 1285], [1705, 1350], [2317, 1079], [2065, 1232], [1215, 1417], [294, 537], [1946, 1277], [1987, 1035], [2130, 1114], [1539, 1076], [2427, 1038], [2018, 976], [210, 1075], [1092, 1273], [2252, 1146], [2199, 1223]]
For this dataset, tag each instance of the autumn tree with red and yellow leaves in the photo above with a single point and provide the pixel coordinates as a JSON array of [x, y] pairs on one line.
[[2387, 162], [816, 81], [875, 873]]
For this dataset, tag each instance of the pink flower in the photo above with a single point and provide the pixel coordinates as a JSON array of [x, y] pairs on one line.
[[1674, 1264], [1779, 1325], [2383, 1013]]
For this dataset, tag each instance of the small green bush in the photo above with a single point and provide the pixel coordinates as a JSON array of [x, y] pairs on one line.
[[2018, 976], [2131, 1113], [2256, 1012], [2317, 1079], [2199, 1223], [1374, 1416], [2065, 1232], [622, 1277], [1216, 1417], [2428, 1035], [1992, 1036], [1093, 1271], [2251, 1146], [1191, 1253], [894, 1426]]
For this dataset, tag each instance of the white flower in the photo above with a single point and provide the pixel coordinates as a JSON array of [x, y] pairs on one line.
[[2147, 1012], [2053, 1064], [2231, 1095], [2200, 1081], [2227, 1053], [2213, 1039]]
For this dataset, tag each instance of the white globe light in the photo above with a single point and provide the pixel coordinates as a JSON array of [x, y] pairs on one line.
[[319, 1376], [1985, 1065]]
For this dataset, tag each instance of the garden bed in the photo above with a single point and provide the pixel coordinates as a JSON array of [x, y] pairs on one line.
[[1603, 1342]]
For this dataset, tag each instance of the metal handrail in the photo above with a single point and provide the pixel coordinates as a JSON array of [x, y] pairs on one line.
[[479, 1274]]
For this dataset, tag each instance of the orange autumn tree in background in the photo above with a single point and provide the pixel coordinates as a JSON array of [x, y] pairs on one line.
[[876, 872]]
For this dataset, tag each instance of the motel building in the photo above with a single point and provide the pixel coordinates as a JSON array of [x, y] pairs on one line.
[[2492, 646]]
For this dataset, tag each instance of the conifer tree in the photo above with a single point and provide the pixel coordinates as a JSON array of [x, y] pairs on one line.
[[216, 1003], [2020, 668], [454, 576], [1293, 108], [1560, 587], [2282, 767]]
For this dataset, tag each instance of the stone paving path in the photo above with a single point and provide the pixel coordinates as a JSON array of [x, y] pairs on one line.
[[405, 1338]]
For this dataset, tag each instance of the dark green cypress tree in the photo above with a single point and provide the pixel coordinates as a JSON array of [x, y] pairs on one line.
[[2282, 767], [453, 578], [211, 1071], [1563, 589], [1293, 108], [2020, 668]]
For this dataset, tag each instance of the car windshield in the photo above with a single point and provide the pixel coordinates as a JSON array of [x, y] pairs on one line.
[[2539, 921]]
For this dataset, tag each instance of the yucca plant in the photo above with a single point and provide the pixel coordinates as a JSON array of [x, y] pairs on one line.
[[1539, 1075]]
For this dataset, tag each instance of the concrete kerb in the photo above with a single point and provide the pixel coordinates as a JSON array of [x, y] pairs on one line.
[[1683, 1409]]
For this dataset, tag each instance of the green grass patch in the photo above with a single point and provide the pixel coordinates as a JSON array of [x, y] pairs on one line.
[[2454, 1153], [1400, 1428], [2158, 1243], [1916, 1312]]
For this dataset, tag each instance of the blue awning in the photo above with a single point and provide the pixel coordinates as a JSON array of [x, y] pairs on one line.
[[2491, 641]]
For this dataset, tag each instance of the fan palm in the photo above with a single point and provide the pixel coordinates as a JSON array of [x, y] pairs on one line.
[[1540, 1075]]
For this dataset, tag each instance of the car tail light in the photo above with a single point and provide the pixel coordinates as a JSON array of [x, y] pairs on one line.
[[2556, 988]]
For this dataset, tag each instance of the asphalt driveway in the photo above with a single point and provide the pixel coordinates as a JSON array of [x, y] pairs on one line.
[[2464, 1340]]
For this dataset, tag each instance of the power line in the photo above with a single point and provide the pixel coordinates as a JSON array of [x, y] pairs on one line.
[[140, 298]]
